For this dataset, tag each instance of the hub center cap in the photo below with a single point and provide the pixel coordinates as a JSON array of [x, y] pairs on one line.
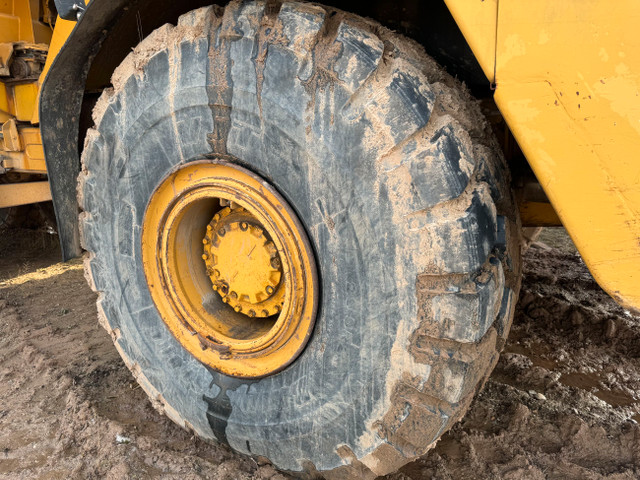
[[243, 263]]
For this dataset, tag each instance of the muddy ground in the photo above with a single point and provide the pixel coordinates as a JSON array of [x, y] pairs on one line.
[[563, 402]]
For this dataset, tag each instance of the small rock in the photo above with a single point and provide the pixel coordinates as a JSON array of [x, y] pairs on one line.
[[537, 395], [611, 328], [122, 440]]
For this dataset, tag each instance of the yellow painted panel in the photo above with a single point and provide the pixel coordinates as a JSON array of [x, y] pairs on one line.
[[477, 21], [22, 10], [4, 102], [568, 85], [569, 40], [24, 97], [567, 80], [9, 28], [6, 7], [596, 197]]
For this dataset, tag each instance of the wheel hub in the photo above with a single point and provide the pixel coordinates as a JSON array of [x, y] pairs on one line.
[[229, 268], [243, 263]]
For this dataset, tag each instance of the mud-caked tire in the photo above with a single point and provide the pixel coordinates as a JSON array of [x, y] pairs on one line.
[[402, 192]]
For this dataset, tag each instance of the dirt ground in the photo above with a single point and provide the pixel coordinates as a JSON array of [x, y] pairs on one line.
[[563, 402]]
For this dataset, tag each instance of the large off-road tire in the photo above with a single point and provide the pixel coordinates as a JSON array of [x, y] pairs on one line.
[[403, 194]]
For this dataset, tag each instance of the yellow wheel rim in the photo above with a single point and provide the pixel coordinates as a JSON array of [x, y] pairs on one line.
[[191, 269]]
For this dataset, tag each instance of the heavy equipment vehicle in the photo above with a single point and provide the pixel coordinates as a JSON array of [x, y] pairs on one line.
[[303, 229]]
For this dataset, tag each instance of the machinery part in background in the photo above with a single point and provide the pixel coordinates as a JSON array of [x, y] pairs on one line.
[[20, 145], [23, 51], [21, 61], [397, 183]]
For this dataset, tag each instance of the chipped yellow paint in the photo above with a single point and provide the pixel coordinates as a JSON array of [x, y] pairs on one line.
[[568, 85]]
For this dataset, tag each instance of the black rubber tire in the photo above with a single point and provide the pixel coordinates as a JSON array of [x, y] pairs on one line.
[[404, 196]]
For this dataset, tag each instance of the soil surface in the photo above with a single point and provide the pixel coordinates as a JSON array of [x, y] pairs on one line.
[[563, 402]]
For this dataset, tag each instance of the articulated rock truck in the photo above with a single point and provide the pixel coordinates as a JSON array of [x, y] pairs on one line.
[[304, 221]]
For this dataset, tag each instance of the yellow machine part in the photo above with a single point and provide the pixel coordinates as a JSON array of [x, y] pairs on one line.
[[567, 79], [21, 146], [19, 22], [22, 151]]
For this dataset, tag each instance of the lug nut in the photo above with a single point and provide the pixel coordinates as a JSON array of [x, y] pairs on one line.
[[270, 290], [205, 256], [265, 313], [205, 240], [238, 308], [252, 313], [275, 263], [221, 232]]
